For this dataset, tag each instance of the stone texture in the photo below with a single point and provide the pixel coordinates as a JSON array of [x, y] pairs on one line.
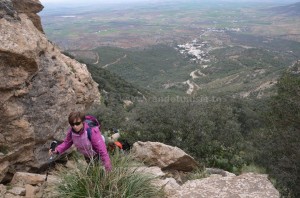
[[153, 170], [31, 191], [2, 190], [163, 156], [22, 178], [3, 169], [169, 185], [7, 10], [30, 8], [39, 87], [246, 185], [17, 191], [9, 195]]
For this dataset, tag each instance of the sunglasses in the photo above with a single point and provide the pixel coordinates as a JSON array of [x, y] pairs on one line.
[[75, 123]]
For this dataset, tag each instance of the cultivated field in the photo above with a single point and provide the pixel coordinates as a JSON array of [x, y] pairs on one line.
[[188, 48]]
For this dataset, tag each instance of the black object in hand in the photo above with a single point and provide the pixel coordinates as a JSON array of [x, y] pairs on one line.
[[53, 145]]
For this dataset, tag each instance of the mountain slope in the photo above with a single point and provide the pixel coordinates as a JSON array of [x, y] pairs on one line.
[[290, 10]]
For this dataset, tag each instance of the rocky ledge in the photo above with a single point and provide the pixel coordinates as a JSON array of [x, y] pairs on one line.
[[216, 183]]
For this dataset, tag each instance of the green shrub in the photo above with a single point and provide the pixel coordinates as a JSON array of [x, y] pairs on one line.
[[208, 131], [94, 181], [253, 169], [279, 143]]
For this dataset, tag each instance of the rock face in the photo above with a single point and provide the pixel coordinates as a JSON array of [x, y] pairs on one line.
[[39, 87], [163, 156], [30, 8]]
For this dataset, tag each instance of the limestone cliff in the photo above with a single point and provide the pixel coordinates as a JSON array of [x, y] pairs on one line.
[[39, 87]]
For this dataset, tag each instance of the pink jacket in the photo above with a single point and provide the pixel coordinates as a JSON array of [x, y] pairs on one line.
[[96, 144]]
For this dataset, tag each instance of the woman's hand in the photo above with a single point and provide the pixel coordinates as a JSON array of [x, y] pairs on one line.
[[52, 152]]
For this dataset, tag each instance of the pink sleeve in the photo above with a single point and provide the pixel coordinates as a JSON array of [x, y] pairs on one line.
[[67, 143], [100, 147]]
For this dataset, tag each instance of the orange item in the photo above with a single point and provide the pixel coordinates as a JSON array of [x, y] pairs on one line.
[[118, 144]]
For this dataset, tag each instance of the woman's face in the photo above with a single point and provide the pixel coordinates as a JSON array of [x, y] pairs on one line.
[[77, 125]]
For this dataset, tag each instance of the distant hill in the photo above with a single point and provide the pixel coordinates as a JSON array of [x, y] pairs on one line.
[[291, 10]]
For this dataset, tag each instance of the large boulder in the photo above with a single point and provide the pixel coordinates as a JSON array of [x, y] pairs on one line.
[[246, 185], [164, 156], [39, 87], [22, 178]]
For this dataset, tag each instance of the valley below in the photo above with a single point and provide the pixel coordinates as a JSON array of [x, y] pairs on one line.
[[182, 48]]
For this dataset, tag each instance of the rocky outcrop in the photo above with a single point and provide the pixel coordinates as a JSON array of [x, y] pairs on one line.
[[29, 185], [163, 156], [210, 183], [219, 183], [30, 8], [39, 87], [11, 9], [246, 185]]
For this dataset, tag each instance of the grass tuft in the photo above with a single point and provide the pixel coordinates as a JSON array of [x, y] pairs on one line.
[[93, 181]]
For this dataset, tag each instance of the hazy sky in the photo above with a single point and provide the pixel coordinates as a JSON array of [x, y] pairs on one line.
[[89, 1], [124, 1]]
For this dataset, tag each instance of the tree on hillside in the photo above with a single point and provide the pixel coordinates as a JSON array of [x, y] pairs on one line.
[[281, 153], [208, 131]]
